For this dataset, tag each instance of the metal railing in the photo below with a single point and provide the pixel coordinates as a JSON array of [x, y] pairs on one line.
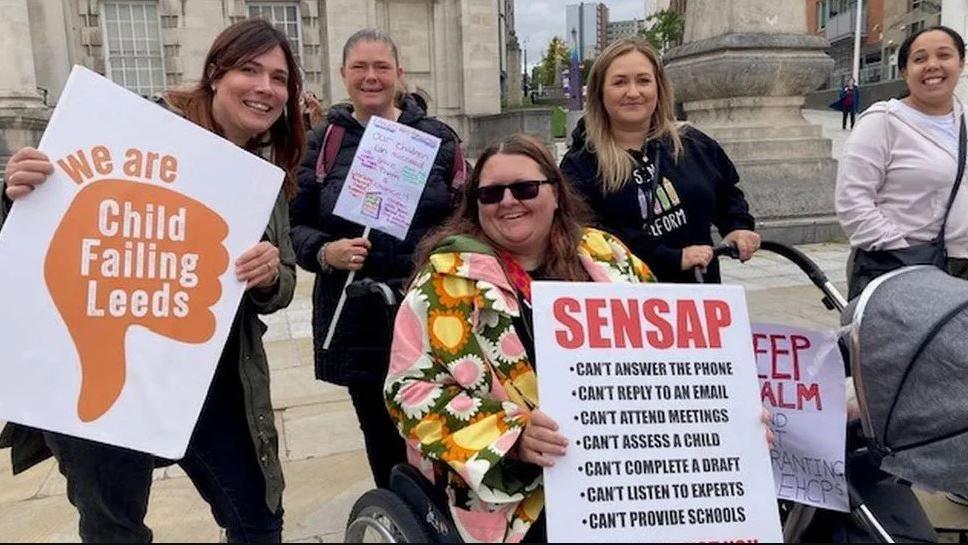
[[873, 73]]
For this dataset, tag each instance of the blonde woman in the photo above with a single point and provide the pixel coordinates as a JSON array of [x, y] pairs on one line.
[[659, 185]]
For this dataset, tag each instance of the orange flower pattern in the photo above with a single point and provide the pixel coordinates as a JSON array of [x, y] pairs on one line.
[[460, 385]]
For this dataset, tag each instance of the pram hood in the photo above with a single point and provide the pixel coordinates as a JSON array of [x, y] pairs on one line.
[[909, 358]]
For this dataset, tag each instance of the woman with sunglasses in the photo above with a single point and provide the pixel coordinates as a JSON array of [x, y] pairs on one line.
[[462, 383], [658, 185]]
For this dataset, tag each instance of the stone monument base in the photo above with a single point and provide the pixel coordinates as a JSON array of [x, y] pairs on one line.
[[784, 163], [20, 128]]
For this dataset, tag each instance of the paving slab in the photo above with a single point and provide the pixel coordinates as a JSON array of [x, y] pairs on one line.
[[321, 430]]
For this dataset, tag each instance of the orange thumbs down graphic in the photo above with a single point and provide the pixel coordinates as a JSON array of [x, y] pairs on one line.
[[129, 253]]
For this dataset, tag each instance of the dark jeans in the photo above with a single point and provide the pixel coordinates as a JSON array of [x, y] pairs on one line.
[[109, 485], [843, 123], [385, 447]]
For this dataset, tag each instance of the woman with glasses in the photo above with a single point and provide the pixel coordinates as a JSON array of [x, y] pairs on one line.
[[657, 184], [462, 382]]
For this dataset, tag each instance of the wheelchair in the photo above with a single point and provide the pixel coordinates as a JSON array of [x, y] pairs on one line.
[[412, 510]]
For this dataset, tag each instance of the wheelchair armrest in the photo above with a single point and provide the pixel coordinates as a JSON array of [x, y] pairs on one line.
[[428, 501], [367, 286]]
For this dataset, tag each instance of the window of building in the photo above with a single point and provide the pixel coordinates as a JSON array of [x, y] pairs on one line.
[[822, 15], [842, 6], [284, 16], [133, 53]]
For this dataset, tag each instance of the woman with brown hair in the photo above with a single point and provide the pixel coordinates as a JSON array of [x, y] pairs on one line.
[[462, 383], [657, 184], [249, 94]]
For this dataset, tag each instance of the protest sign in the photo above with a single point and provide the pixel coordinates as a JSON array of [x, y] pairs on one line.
[[655, 388], [383, 186], [801, 376], [387, 177], [118, 281]]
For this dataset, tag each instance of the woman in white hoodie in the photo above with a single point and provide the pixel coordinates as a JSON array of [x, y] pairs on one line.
[[900, 162]]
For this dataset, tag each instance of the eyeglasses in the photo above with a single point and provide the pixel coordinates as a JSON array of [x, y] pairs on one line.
[[522, 190]]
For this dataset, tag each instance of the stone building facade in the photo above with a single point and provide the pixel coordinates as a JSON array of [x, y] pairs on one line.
[[449, 49]]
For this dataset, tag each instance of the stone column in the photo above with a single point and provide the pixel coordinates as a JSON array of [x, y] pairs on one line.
[[742, 74], [23, 114], [18, 86], [515, 93]]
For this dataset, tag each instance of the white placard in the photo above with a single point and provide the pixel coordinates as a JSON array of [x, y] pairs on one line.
[[118, 282], [387, 177], [655, 387], [801, 376]]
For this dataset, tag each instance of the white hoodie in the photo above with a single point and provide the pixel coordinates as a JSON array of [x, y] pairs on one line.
[[894, 180]]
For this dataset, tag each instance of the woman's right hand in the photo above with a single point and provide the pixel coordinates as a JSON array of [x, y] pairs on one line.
[[540, 441], [347, 254], [27, 169], [696, 256]]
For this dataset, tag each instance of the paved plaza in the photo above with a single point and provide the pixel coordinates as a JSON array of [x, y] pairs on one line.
[[321, 446]]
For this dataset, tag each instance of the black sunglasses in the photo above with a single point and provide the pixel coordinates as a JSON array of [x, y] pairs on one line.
[[523, 190]]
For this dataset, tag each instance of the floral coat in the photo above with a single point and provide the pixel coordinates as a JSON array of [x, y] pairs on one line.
[[460, 385]]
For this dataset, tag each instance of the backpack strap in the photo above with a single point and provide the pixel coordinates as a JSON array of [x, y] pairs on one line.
[[329, 149]]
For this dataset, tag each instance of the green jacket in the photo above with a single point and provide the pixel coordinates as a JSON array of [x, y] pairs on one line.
[[28, 447]]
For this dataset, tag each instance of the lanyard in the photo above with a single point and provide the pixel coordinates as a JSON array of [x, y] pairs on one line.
[[646, 187]]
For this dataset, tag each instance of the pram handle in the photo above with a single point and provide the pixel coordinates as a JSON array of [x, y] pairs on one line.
[[719, 250], [833, 299]]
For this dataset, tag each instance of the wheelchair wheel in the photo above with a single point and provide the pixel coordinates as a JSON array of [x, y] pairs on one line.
[[380, 516]]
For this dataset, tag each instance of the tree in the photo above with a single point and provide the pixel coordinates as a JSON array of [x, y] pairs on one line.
[[546, 69], [663, 29]]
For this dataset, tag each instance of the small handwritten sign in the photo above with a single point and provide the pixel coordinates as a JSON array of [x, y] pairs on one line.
[[387, 177]]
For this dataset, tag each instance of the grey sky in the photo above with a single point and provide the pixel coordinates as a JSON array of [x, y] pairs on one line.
[[538, 20]]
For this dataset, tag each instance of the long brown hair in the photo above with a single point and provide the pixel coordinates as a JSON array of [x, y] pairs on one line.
[[561, 257], [614, 163], [233, 47]]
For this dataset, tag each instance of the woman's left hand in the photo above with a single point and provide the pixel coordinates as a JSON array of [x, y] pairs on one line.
[[747, 242], [767, 419], [258, 266]]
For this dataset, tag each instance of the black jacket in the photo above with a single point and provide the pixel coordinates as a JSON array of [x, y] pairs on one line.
[[694, 192], [360, 348]]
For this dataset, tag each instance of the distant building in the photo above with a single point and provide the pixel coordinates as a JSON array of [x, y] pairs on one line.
[[150, 45], [884, 25], [623, 29], [586, 24]]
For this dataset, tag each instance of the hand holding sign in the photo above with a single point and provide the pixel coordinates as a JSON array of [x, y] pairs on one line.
[[540, 442], [26, 169], [348, 254], [118, 262], [258, 266]]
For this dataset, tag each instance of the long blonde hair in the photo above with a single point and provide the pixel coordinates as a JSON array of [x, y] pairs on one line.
[[614, 163]]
